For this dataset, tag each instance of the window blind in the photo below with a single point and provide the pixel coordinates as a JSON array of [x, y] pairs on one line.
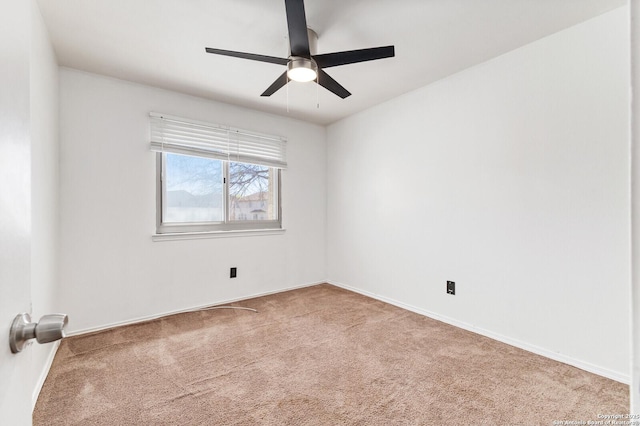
[[189, 137]]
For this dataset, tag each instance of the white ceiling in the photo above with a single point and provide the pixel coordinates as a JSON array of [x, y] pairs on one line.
[[161, 43]]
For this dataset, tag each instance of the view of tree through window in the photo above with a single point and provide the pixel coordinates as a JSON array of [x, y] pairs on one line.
[[251, 192], [194, 188]]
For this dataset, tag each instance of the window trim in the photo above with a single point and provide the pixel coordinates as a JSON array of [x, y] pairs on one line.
[[212, 228], [216, 234]]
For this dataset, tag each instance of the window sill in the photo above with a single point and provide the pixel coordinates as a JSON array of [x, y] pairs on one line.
[[215, 234]]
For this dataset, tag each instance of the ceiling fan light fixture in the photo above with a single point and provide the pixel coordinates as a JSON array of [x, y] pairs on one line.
[[302, 69]]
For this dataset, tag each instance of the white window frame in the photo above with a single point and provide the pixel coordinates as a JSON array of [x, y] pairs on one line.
[[227, 151], [226, 224]]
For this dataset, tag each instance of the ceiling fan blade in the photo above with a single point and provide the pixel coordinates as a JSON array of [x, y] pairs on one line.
[[276, 85], [331, 85], [353, 56], [253, 57], [297, 23]]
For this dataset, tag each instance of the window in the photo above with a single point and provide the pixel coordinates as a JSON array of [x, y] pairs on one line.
[[212, 178]]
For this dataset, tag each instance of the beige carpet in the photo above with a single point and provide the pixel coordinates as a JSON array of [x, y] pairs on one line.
[[314, 356]]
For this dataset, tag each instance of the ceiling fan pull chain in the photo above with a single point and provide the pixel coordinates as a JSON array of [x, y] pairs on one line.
[[318, 91]]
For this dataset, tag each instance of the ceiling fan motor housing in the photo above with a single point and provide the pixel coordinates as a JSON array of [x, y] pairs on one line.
[[304, 69]]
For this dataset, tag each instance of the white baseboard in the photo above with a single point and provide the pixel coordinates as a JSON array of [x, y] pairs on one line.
[[614, 375], [44, 373], [610, 374], [180, 311]]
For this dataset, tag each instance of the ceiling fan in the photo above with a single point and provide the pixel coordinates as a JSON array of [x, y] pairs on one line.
[[303, 64]]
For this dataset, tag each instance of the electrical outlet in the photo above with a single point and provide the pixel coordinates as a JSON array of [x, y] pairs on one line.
[[233, 273], [451, 287]]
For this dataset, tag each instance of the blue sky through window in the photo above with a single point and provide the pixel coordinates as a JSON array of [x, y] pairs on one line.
[[195, 175]]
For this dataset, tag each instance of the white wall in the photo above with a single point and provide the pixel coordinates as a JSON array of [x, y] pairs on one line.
[[44, 187], [110, 269], [510, 178]]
